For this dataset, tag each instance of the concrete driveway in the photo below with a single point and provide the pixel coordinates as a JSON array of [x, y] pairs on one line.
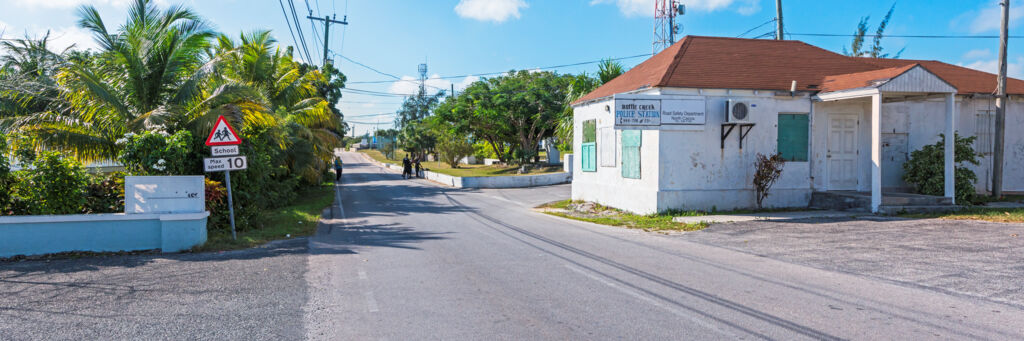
[[971, 258]]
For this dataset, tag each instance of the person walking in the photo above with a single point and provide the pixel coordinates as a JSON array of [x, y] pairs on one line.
[[337, 168], [406, 167], [419, 168]]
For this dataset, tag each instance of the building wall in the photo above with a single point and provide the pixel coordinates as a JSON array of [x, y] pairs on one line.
[[689, 170], [698, 174], [606, 186]]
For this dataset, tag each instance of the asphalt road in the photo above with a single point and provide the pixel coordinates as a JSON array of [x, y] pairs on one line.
[[409, 260]]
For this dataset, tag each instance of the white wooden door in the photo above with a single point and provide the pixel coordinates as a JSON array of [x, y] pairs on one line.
[[842, 152]]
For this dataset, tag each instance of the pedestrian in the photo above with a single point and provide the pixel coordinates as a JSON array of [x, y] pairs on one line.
[[406, 167], [337, 169], [419, 168]]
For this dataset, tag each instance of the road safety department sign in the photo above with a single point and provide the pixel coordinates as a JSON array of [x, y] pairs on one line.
[[222, 134]]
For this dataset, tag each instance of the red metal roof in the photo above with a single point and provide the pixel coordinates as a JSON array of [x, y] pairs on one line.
[[760, 64]]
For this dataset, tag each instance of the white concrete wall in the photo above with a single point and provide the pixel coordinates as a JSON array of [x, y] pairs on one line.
[[607, 186], [688, 169], [698, 174]]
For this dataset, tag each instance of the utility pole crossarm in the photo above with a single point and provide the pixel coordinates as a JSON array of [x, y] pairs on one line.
[[327, 31]]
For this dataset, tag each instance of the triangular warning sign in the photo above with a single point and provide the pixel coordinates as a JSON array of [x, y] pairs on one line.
[[222, 134]]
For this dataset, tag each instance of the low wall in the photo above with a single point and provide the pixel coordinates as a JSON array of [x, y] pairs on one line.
[[511, 181], [111, 232]]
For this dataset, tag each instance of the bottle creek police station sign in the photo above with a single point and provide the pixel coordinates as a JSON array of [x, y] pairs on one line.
[[654, 112]]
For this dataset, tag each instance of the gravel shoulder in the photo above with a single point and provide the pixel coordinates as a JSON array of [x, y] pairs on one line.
[[971, 258]]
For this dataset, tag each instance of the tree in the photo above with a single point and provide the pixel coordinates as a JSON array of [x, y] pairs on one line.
[[529, 103], [608, 69], [414, 137], [857, 45], [473, 114], [579, 87], [451, 146]]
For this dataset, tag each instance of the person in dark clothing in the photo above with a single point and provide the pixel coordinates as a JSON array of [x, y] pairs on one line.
[[419, 168], [406, 167], [337, 168]]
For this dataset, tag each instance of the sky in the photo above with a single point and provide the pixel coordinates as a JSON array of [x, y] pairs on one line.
[[456, 38]]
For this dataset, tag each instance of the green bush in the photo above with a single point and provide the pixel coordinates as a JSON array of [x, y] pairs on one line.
[[56, 185], [483, 150], [105, 194], [926, 169], [156, 153], [6, 178]]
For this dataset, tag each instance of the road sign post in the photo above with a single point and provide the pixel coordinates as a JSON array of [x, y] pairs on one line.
[[224, 141]]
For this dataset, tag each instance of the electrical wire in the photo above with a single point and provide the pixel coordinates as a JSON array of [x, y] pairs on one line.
[[756, 27], [312, 26], [298, 28], [902, 36], [497, 73], [295, 42]]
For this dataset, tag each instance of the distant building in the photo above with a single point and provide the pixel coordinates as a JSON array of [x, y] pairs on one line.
[[658, 137]]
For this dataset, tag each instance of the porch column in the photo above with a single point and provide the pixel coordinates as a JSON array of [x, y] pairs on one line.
[[950, 174], [876, 152]]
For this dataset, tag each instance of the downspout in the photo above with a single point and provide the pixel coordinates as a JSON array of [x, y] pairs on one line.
[[810, 142]]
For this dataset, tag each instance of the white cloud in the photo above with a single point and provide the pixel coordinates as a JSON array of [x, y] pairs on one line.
[[987, 19], [68, 3], [977, 54], [632, 8], [466, 82], [1015, 68], [490, 10], [60, 37]]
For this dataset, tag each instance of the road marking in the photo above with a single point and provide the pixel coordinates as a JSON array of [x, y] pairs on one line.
[[371, 303], [652, 301]]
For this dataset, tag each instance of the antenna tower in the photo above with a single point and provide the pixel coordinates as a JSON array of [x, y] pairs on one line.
[[423, 77], [665, 27]]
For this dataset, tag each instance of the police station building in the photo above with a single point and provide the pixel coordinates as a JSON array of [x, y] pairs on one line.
[[682, 129]]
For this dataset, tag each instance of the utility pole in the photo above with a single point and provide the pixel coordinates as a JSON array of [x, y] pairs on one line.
[[327, 30], [779, 32], [1000, 133]]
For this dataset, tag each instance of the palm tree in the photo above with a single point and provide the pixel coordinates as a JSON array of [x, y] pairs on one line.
[[302, 122], [147, 74]]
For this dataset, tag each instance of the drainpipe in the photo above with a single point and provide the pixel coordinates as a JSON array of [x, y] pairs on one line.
[[810, 141]]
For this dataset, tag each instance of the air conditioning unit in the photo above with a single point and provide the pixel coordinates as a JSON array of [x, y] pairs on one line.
[[736, 112]]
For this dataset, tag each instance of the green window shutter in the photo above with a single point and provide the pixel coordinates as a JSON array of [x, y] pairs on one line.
[[588, 159], [631, 141], [793, 137]]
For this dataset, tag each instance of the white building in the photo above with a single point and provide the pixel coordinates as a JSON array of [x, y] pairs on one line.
[[848, 124]]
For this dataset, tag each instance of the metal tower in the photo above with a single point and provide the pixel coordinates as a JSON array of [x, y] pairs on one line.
[[665, 27], [423, 77]]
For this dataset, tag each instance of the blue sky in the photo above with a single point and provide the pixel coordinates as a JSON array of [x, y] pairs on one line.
[[462, 37]]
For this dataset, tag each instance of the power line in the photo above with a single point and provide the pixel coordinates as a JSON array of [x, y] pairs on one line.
[[494, 73], [298, 28], [312, 25], [902, 36], [756, 27], [289, 22]]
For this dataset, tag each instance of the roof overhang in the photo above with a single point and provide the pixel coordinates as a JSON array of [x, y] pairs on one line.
[[916, 80]]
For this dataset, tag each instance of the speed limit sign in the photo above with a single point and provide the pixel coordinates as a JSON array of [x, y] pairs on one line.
[[217, 164]]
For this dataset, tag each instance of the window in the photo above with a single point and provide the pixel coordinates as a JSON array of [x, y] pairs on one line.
[[588, 153], [983, 127], [793, 137], [607, 152], [631, 140]]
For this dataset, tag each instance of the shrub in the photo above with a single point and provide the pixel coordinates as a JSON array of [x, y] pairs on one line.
[[217, 204], [56, 185], [156, 153], [452, 148], [6, 178], [926, 169], [105, 194], [483, 150], [767, 170]]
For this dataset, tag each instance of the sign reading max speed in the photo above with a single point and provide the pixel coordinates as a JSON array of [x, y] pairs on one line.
[[216, 164]]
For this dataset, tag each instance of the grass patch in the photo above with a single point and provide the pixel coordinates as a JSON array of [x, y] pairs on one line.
[[298, 220], [464, 170], [998, 215], [610, 216]]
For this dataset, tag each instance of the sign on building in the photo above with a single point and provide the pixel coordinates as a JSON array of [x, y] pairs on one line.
[[655, 111], [683, 111], [164, 194]]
